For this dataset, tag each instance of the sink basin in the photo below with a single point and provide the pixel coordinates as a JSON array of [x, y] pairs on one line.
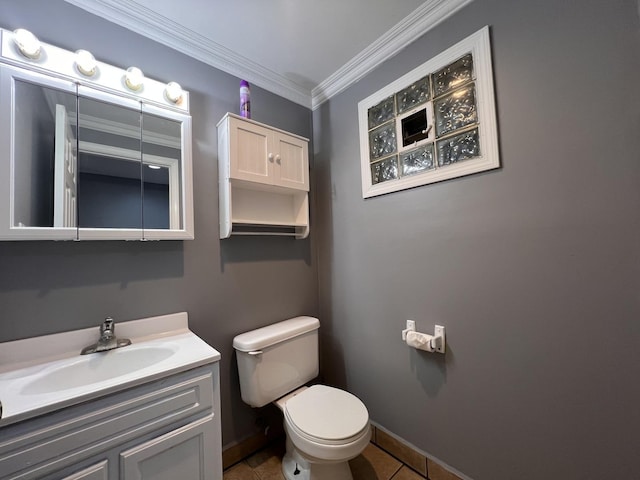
[[39, 375], [97, 367]]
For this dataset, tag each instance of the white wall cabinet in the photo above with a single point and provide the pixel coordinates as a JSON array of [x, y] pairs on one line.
[[167, 429], [264, 179], [264, 155]]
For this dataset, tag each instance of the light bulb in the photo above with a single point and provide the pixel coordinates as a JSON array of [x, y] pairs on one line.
[[27, 43], [173, 92], [86, 63], [134, 78]]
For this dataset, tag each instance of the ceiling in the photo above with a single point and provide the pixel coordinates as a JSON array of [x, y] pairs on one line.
[[306, 51]]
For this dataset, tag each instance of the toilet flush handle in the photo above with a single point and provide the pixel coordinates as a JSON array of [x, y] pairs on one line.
[[255, 352]]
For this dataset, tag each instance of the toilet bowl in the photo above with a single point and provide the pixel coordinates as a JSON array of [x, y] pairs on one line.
[[325, 426]]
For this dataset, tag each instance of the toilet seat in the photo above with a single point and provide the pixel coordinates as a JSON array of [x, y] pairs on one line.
[[327, 416]]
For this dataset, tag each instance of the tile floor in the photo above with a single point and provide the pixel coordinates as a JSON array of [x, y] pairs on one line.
[[373, 464]]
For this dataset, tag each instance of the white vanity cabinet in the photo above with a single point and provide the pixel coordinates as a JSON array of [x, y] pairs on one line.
[[264, 179], [168, 429]]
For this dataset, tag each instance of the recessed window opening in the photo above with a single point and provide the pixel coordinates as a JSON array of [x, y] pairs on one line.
[[414, 127]]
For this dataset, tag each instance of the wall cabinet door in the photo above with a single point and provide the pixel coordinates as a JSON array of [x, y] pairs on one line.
[[182, 454], [264, 155], [292, 162], [249, 152]]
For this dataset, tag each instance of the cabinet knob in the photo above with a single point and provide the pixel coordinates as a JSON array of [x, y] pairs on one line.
[[278, 158], [270, 157]]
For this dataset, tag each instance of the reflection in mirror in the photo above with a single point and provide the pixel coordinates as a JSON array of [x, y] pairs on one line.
[[109, 167], [109, 192], [156, 208], [161, 172], [44, 157]]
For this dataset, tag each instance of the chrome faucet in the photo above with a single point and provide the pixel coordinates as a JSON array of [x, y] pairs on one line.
[[107, 340]]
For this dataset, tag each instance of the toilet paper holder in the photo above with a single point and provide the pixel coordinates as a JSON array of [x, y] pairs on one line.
[[422, 341]]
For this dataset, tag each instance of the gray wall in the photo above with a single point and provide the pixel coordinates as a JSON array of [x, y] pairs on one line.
[[533, 268], [226, 286]]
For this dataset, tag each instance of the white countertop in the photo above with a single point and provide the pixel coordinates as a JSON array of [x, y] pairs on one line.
[[28, 367]]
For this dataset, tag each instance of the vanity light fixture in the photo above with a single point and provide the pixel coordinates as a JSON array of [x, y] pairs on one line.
[[134, 78], [173, 92], [27, 43], [86, 63]]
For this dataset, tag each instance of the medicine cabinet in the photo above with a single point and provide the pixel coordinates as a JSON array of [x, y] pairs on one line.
[[90, 157], [264, 179]]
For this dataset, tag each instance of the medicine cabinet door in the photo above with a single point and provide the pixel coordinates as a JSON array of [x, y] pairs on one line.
[[167, 205], [110, 202], [38, 156]]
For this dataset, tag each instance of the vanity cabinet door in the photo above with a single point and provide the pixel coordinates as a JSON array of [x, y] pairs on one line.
[[184, 454], [99, 471]]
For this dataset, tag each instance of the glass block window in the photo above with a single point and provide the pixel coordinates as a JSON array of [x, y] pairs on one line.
[[381, 113], [418, 160], [384, 170], [415, 94], [434, 123], [456, 110], [458, 148], [453, 75], [382, 141]]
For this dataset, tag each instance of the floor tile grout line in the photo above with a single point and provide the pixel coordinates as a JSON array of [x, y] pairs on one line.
[[402, 462], [411, 469], [398, 470]]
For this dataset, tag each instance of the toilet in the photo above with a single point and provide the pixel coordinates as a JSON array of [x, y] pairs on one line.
[[325, 426]]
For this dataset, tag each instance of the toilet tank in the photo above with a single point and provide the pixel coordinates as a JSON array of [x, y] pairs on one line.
[[276, 359]]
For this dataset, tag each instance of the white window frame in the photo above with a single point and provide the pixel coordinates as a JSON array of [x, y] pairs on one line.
[[478, 44]]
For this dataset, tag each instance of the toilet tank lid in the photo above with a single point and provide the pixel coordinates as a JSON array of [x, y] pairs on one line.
[[275, 333]]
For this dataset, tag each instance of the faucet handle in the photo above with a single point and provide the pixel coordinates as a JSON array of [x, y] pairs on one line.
[[107, 326]]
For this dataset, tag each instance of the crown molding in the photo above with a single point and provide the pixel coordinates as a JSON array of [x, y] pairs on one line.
[[150, 24], [171, 34], [417, 23]]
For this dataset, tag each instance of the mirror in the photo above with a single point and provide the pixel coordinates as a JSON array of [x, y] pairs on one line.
[[82, 163], [161, 172], [35, 170], [109, 166]]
